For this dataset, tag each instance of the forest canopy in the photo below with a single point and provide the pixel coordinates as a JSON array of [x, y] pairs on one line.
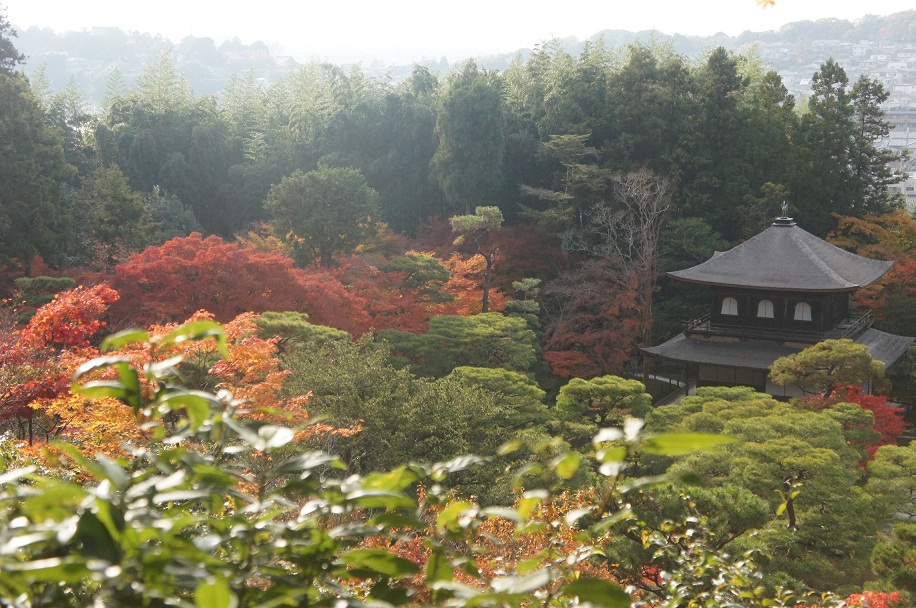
[[431, 294]]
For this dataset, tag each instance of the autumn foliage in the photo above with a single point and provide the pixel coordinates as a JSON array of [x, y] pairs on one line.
[[873, 599], [36, 361], [889, 422], [499, 547], [40, 360], [171, 282], [385, 300], [71, 319], [465, 287], [599, 321], [885, 237], [251, 368]]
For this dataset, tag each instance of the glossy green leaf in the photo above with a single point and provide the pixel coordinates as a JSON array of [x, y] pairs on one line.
[[451, 514], [309, 461], [159, 370], [197, 405], [397, 520], [396, 480], [101, 389], [438, 567], [509, 447], [608, 434], [394, 596], [95, 540], [114, 472], [96, 364], [271, 437], [16, 474], [631, 428], [612, 520], [131, 382], [598, 593], [567, 465], [122, 339], [676, 444], [377, 499], [507, 513], [198, 330], [52, 569], [527, 505], [457, 464], [381, 561], [215, 594], [575, 515], [614, 454]]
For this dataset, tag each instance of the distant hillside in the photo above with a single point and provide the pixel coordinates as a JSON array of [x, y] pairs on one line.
[[898, 28], [90, 57]]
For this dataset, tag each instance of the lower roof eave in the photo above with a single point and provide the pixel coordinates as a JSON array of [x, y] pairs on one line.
[[760, 355]]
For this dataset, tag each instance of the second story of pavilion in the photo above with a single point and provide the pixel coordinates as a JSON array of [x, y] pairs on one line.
[[783, 284]]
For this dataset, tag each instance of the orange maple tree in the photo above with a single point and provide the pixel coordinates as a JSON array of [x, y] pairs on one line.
[[36, 361], [872, 599], [891, 236], [39, 360], [465, 287], [70, 319], [250, 368], [387, 301]]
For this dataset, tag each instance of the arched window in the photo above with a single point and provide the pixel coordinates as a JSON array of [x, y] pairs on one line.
[[729, 306], [764, 309], [802, 311]]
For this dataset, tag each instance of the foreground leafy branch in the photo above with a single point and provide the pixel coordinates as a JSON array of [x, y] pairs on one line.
[[220, 510]]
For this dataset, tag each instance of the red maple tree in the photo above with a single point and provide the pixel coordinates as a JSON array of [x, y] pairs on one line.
[[171, 282], [597, 323], [889, 422], [387, 301]]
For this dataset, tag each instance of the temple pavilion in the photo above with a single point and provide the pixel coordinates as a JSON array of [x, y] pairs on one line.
[[773, 295]]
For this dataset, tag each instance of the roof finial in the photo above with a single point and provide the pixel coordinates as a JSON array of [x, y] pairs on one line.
[[784, 219]]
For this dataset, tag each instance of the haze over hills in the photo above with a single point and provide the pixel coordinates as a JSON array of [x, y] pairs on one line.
[[881, 46]]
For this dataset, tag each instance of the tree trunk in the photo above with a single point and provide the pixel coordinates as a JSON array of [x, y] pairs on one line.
[[487, 275]]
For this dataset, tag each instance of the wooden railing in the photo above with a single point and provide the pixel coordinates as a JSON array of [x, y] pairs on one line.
[[850, 327]]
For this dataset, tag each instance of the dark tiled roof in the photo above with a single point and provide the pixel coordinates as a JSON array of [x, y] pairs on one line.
[[785, 257], [752, 355], [882, 346], [885, 347]]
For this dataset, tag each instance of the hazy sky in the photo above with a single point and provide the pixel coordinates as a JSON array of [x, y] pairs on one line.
[[367, 29]]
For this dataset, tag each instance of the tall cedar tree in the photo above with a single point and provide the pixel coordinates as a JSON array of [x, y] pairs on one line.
[[33, 218]]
